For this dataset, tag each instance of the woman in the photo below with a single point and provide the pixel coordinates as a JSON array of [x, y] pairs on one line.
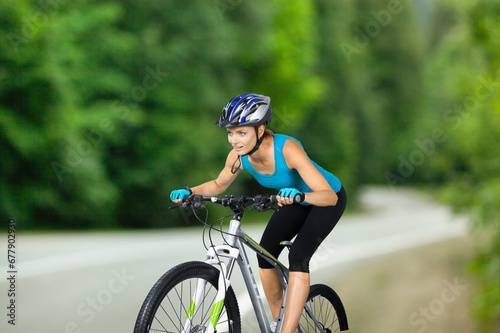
[[279, 162]]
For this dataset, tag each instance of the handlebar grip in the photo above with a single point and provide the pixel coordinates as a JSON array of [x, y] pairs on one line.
[[297, 198]]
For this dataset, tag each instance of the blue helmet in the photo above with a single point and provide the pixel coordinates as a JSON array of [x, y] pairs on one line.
[[246, 110]]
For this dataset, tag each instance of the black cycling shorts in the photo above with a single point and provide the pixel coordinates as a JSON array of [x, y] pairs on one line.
[[311, 225]]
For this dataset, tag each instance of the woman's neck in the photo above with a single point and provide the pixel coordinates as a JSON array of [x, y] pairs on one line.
[[265, 151]]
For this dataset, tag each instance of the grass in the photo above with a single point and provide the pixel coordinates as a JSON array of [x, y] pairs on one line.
[[426, 289]]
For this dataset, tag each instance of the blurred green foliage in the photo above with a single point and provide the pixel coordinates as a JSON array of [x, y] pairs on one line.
[[105, 106], [481, 173], [461, 102]]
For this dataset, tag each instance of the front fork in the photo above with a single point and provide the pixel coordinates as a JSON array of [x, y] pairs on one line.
[[213, 254]]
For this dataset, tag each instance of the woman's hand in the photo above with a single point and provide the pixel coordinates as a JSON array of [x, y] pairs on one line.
[[288, 196], [178, 195]]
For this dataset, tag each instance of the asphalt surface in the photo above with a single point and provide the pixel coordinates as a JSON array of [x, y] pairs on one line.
[[96, 282]]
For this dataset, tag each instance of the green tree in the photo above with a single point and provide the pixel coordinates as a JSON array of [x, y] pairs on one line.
[[463, 78], [329, 128], [395, 64], [52, 175], [369, 51], [476, 182]]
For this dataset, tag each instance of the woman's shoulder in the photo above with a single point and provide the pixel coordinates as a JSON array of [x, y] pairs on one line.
[[282, 136], [281, 139]]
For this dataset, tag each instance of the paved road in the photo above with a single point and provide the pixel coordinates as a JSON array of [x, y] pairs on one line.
[[96, 282]]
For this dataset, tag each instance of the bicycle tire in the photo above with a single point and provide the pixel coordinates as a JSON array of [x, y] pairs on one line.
[[166, 305], [327, 308]]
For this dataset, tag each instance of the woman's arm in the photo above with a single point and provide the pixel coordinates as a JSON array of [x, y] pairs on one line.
[[222, 182], [296, 158]]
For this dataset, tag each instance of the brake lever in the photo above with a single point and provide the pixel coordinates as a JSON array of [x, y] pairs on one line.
[[260, 206], [264, 207], [190, 201]]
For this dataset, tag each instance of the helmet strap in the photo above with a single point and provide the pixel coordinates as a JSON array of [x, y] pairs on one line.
[[233, 168], [259, 141]]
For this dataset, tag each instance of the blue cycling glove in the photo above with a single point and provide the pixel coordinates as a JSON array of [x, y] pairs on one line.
[[293, 193], [180, 194]]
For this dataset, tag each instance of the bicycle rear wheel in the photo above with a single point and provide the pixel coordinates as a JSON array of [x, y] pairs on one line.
[[325, 306], [167, 305]]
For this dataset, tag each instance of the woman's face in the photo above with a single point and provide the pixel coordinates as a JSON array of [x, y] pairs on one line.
[[242, 138]]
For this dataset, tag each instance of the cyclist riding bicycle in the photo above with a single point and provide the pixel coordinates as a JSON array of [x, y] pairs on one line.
[[311, 199]]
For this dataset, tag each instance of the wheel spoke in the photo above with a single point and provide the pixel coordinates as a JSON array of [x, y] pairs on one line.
[[167, 306], [324, 305]]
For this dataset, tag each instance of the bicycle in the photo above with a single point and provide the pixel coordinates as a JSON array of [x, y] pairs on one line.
[[197, 296]]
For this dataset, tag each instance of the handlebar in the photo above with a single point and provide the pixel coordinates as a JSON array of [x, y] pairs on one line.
[[237, 204]]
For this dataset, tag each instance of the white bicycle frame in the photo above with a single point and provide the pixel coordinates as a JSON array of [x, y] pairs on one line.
[[235, 252]]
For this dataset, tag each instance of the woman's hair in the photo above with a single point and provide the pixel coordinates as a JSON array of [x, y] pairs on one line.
[[268, 132]]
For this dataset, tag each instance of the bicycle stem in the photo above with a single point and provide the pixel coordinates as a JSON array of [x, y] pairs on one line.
[[234, 227]]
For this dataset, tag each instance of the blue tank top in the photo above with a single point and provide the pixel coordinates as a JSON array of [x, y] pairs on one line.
[[283, 176]]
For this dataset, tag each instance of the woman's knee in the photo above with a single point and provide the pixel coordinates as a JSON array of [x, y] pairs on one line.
[[298, 263]]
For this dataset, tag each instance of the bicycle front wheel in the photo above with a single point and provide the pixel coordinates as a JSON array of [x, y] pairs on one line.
[[323, 308], [168, 307]]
